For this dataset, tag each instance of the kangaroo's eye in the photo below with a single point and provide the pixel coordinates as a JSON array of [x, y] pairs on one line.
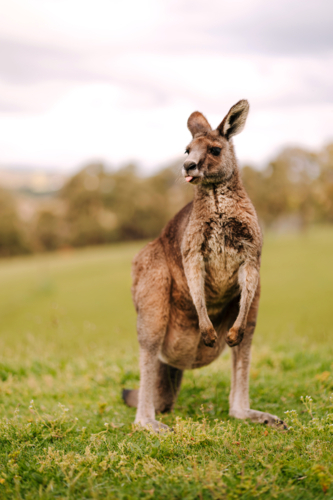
[[215, 151], [187, 151]]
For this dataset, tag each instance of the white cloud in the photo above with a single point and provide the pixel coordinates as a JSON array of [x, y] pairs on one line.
[[117, 80], [77, 22]]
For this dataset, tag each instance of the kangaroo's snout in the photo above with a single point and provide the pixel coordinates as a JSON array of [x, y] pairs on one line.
[[189, 165]]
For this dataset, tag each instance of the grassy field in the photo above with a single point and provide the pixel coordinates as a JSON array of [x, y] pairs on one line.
[[68, 346]]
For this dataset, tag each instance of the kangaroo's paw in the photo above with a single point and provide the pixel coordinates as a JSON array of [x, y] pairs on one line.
[[234, 337], [259, 417], [209, 336], [151, 424]]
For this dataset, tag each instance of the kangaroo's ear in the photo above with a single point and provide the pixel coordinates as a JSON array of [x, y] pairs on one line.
[[234, 121], [197, 124]]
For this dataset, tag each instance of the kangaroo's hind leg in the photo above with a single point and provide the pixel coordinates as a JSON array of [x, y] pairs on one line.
[[151, 294], [166, 389], [239, 404]]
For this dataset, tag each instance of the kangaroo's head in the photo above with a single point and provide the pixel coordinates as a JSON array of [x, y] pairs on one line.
[[211, 157]]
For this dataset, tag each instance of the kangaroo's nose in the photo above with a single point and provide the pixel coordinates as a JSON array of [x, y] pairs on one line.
[[189, 164]]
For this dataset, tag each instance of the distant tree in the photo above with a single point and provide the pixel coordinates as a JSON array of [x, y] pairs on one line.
[[285, 187], [98, 206], [323, 186], [84, 199], [143, 205], [47, 231], [12, 237]]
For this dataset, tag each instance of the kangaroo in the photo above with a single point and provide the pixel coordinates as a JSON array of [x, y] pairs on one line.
[[196, 288]]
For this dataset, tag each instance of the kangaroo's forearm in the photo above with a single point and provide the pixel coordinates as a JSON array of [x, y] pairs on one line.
[[195, 275], [248, 281]]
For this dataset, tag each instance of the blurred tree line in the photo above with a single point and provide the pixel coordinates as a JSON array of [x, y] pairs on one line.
[[97, 206]]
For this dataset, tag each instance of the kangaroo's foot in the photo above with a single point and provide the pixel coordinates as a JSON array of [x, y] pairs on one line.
[[151, 424], [234, 337], [259, 417], [209, 336]]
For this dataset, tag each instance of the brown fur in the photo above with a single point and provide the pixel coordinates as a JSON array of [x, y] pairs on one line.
[[196, 287]]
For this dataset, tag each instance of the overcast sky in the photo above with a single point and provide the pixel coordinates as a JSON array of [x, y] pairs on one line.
[[116, 80]]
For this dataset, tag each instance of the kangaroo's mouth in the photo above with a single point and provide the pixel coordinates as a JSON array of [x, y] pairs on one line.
[[192, 179]]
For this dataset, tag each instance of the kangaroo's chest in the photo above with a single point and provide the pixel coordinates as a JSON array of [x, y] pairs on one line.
[[224, 250]]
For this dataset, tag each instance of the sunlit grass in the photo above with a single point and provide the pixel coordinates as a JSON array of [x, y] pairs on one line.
[[68, 342]]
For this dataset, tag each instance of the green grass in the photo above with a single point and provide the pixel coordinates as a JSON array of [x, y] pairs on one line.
[[68, 342]]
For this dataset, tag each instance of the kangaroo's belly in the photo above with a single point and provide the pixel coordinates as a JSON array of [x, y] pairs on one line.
[[185, 350], [183, 346]]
